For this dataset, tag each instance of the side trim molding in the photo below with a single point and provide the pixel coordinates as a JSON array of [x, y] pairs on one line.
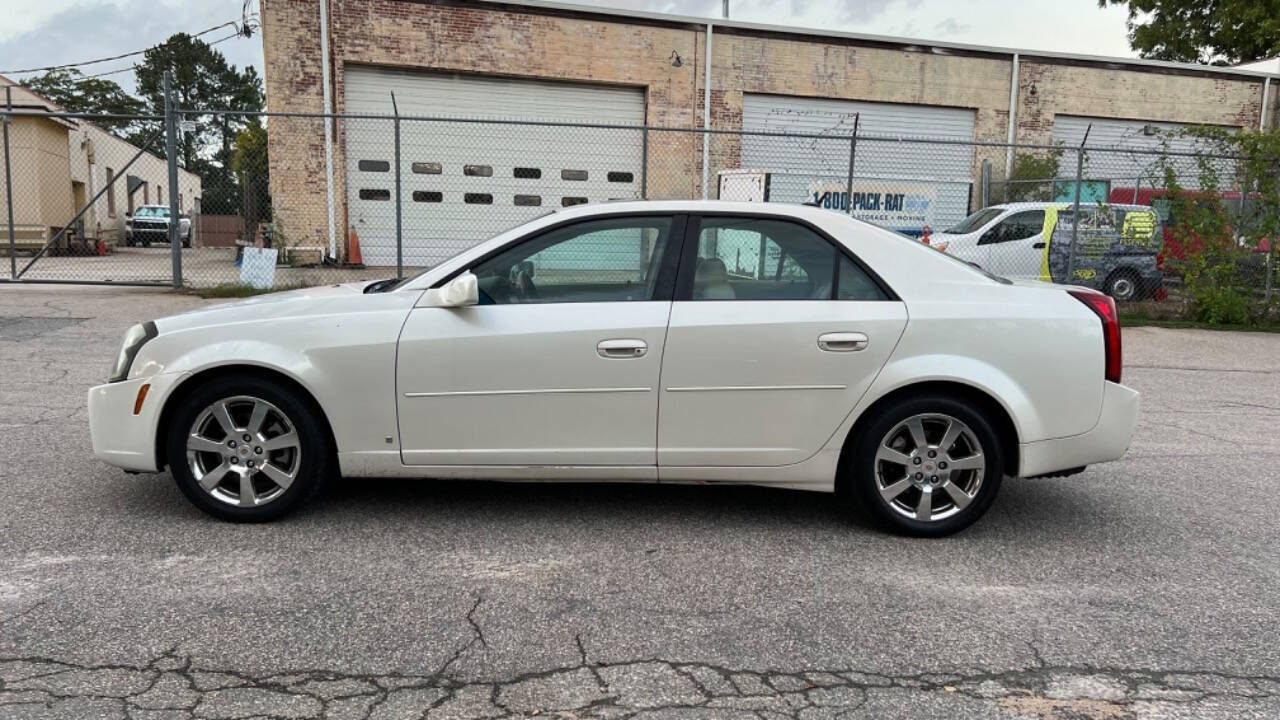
[[741, 388], [540, 391]]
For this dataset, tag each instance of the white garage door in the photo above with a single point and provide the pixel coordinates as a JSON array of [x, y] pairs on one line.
[[1123, 151], [930, 182], [464, 182]]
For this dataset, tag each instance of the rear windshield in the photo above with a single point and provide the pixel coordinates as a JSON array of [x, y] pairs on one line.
[[952, 258]]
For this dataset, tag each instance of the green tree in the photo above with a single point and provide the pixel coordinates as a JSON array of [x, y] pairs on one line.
[[1220, 32], [252, 170], [1032, 178], [204, 80], [73, 91]]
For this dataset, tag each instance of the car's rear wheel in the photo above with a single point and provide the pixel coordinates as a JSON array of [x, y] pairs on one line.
[[1123, 285], [926, 466], [247, 450]]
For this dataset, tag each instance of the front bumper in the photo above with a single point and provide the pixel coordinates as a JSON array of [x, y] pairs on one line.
[[1108, 440], [120, 437]]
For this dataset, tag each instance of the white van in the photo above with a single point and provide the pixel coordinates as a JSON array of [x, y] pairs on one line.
[[1116, 245]]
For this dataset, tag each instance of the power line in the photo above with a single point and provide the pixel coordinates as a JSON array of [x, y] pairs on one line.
[[206, 31], [135, 67]]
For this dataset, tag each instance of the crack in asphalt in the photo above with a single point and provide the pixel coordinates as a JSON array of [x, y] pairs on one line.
[[654, 686]]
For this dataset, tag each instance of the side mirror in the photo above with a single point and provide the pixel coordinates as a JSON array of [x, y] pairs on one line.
[[458, 292]]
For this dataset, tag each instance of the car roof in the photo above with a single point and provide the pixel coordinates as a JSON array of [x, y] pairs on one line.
[[1060, 205], [611, 207]]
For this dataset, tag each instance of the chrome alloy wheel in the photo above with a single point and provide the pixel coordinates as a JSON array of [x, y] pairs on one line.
[[243, 451], [929, 467]]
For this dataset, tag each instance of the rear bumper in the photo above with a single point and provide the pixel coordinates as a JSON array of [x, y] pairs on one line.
[[1107, 441], [119, 437]]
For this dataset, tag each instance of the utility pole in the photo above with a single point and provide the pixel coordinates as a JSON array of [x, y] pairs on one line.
[[724, 9]]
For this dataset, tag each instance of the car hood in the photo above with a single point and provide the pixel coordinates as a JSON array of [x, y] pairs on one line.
[[290, 303]]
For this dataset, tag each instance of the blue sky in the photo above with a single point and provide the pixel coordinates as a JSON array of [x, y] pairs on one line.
[[51, 32]]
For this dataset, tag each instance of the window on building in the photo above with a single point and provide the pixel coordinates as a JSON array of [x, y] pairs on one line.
[[568, 201], [621, 177], [611, 260], [579, 175], [160, 194], [432, 196], [374, 194], [526, 173], [478, 170], [427, 168], [528, 200], [373, 166], [477, 198], [111, 192]]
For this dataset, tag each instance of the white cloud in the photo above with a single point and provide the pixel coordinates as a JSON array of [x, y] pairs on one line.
[[88, 29]]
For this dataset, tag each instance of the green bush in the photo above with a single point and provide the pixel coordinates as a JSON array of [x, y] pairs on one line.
[[1223, 275]]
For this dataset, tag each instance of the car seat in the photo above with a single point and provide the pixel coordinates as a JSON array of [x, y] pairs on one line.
[[711, 281]]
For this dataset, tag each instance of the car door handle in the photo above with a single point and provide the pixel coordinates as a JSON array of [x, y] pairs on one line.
[[1038, 245], [622, 348], [842, 341]]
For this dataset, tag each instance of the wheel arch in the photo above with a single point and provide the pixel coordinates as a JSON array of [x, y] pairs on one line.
[[1001, 420], [190, 383]]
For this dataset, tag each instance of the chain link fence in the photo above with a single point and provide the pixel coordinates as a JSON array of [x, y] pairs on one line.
[[262, 199]]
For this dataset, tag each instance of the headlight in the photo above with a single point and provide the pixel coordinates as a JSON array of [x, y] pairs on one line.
[[134, 339]]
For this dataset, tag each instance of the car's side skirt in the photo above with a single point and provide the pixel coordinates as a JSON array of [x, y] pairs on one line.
[[816, 473]]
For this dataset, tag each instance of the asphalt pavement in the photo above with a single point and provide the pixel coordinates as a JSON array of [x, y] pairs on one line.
[[1146, 588]]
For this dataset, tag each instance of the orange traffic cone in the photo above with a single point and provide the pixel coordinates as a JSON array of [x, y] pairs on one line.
[[354, 258]]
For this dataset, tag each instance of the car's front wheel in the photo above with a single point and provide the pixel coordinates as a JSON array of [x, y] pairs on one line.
[[926, 466], [247, 450]]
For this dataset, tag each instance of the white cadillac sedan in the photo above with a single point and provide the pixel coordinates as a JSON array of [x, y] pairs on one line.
[[674, 342]]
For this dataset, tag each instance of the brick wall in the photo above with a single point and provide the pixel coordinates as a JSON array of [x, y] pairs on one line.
[[1130, 95], [509, 41]]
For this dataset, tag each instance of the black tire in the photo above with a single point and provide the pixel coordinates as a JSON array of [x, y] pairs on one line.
[[314, 464], [186, 243], [861, 476], [1124, 284]]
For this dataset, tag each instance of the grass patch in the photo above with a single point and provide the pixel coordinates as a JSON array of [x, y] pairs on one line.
[[1138, 319], [236, 290]]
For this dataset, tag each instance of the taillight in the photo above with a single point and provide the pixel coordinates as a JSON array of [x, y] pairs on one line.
[[1105, 308]]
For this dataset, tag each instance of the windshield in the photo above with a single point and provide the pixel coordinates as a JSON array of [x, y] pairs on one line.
[[975, 221], [146, 211]]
